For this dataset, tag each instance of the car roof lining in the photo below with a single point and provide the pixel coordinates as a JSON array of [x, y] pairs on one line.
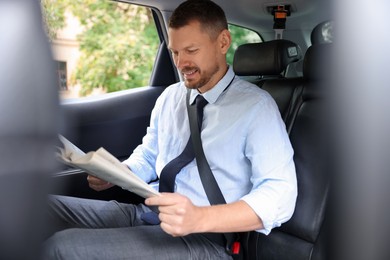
[[253, 14]]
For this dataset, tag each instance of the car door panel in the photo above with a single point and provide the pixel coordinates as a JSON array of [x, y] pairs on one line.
[[116, 122]]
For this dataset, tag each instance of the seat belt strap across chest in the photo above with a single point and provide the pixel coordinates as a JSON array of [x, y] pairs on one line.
[[209, 182]]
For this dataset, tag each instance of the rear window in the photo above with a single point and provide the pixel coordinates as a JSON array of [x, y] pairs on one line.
[[100, 46], [104, 46], [240, 35]]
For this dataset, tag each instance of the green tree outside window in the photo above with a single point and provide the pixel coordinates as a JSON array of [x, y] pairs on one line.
[[118, 44]]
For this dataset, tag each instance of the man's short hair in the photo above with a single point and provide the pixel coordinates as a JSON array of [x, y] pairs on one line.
[[210, 15]]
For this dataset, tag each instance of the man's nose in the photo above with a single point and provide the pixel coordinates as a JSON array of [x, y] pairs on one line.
[[181, 61]]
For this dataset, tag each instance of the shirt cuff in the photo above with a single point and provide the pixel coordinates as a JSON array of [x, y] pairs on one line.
[[264, 211], [269, 208]]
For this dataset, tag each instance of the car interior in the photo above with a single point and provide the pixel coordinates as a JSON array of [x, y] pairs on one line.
[[290, 69], [284, 67], [290, 63]]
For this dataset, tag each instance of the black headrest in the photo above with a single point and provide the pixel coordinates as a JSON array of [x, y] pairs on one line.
[[322, 33], [265, 58], [317, 62]]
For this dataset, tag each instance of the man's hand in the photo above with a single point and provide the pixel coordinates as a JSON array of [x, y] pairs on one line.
[[178, 216], [98, 184]]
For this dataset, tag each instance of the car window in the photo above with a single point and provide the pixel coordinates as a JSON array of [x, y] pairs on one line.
[[100, 46], [240, 35]]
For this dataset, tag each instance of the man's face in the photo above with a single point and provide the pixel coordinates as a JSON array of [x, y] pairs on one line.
[[199, 58]]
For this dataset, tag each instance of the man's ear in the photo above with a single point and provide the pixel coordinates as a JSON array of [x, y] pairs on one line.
[[224, 41]]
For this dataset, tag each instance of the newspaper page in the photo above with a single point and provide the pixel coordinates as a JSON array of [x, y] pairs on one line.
[[105, 166]]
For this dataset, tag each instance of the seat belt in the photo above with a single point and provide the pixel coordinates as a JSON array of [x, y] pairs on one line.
[[209, 183]]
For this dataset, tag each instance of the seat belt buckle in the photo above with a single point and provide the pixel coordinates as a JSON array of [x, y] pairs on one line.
[[236, 248], [235, 251]]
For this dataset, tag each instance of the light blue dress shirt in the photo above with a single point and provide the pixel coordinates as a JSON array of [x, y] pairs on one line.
[[244, 140]]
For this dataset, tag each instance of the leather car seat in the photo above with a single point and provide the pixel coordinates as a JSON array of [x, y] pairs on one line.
[[269, 60], [304, 235]]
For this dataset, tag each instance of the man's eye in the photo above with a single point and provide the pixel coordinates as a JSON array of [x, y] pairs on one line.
[[191, 51]]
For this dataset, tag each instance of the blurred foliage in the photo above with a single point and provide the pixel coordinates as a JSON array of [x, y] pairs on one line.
[[53, 16], [118, 44]]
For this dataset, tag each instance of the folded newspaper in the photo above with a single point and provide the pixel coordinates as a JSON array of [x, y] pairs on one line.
[[105, 166]]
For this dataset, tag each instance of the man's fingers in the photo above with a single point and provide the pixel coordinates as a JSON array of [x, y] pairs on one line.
[[170, 210], [98, 184], [166, 199], [95, 181]]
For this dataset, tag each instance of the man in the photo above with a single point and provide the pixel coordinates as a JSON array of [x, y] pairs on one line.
[[245, 143]]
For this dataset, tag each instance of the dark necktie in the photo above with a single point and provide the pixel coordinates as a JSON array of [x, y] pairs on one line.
[[169, 172]]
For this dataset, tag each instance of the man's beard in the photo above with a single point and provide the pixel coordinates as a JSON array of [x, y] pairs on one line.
[[204, 79]]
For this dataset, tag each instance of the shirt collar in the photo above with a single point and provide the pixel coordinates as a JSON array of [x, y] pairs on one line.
[[213, 94]]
